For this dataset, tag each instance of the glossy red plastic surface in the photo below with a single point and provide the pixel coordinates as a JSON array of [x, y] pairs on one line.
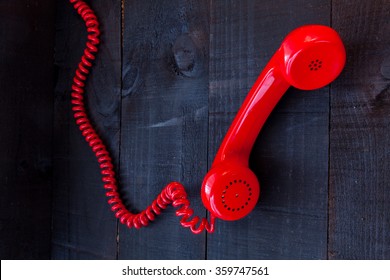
[[310, 57]]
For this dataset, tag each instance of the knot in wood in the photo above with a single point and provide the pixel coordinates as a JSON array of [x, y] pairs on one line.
[[186, 56]]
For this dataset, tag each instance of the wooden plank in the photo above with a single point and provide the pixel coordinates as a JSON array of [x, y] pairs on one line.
[[359, 159], [164, 120], [83, 225], [26, 81], [290, 156]]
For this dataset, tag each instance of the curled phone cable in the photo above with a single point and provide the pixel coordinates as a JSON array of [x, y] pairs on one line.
[[173, 193]]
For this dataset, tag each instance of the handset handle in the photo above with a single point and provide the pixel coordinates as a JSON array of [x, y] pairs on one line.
[[257, 106]]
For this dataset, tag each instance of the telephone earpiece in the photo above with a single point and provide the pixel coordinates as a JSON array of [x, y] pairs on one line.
[[310, 57]]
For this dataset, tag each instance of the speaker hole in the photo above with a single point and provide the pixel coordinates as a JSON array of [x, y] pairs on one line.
[[315, 65]]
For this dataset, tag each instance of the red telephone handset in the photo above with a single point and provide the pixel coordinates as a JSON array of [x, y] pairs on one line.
[[310, 57]]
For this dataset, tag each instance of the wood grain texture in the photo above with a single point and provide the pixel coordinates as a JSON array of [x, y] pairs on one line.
[[83, 225], [26, 82], [290, 156], [168, 81], [359, 193], [164, 120]]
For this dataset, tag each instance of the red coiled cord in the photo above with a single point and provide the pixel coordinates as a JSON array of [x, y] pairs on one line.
[[174, 193]]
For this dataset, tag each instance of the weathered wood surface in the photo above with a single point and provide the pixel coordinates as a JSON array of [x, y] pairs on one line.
[[359, 192], [167, 83], [164, 120]]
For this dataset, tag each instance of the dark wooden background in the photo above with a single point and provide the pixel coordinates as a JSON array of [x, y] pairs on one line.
[[168, 80]]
